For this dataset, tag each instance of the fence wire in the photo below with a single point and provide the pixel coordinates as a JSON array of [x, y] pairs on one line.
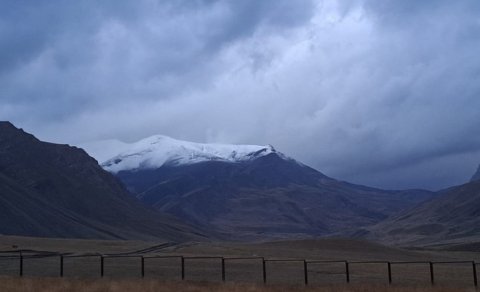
[[237, 269]]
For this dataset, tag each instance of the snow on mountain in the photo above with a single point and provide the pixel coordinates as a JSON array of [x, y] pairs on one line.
[[476, 176], [158, 150]]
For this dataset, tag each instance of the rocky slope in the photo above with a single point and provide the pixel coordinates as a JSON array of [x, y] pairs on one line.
[[451, 218], [54, 190]]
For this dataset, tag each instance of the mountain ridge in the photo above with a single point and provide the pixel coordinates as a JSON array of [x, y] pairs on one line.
[[451, 217], [56, 190], [158, 150], [271, 195]]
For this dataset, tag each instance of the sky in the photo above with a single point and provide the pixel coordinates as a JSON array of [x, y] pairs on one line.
[[377, 92]]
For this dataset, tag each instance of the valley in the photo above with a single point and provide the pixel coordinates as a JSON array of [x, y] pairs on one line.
[[175, 210], [245, 146]]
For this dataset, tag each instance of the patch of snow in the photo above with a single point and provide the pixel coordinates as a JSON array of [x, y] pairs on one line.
[[158, 150]]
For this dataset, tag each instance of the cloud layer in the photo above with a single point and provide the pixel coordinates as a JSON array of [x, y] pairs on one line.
[[384, 93]]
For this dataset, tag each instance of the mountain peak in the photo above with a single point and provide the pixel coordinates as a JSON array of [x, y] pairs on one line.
[[10, 133], [476, 176], [6, 124], [7, 127], [160, 150]]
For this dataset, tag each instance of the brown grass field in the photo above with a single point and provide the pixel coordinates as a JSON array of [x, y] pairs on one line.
[[108, 285], [164, 274]]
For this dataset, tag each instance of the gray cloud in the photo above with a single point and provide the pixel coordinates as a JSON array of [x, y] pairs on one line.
[[384, 93]]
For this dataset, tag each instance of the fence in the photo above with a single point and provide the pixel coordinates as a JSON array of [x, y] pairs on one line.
[[195, 267]]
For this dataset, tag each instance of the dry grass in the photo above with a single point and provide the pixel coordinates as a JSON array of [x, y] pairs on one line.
[[7, 242], [106, 285], [40, 273]]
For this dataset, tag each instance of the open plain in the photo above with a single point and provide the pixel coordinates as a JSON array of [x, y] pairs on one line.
[[106, 265], [76, 285]]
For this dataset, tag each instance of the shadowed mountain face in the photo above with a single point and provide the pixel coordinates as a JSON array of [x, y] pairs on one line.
[[268, 197], [54, 190], [452, 217]]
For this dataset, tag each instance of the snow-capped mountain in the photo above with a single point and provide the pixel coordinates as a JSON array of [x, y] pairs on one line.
[[248, 191], [157, 151]]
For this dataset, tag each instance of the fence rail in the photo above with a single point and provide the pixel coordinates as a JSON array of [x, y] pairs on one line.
[[21, 256]]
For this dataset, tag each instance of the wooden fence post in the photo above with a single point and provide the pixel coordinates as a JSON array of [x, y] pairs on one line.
[[475, 280], [432, 278], [347, 272], [305, 271], [389, 266], [21, 265], [223, 269], [102, 263], [183, 268], [264, 265], [61, 265]]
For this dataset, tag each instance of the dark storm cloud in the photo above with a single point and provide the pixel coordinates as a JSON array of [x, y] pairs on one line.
[[378, 92], [434, 44], [63, 58]]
